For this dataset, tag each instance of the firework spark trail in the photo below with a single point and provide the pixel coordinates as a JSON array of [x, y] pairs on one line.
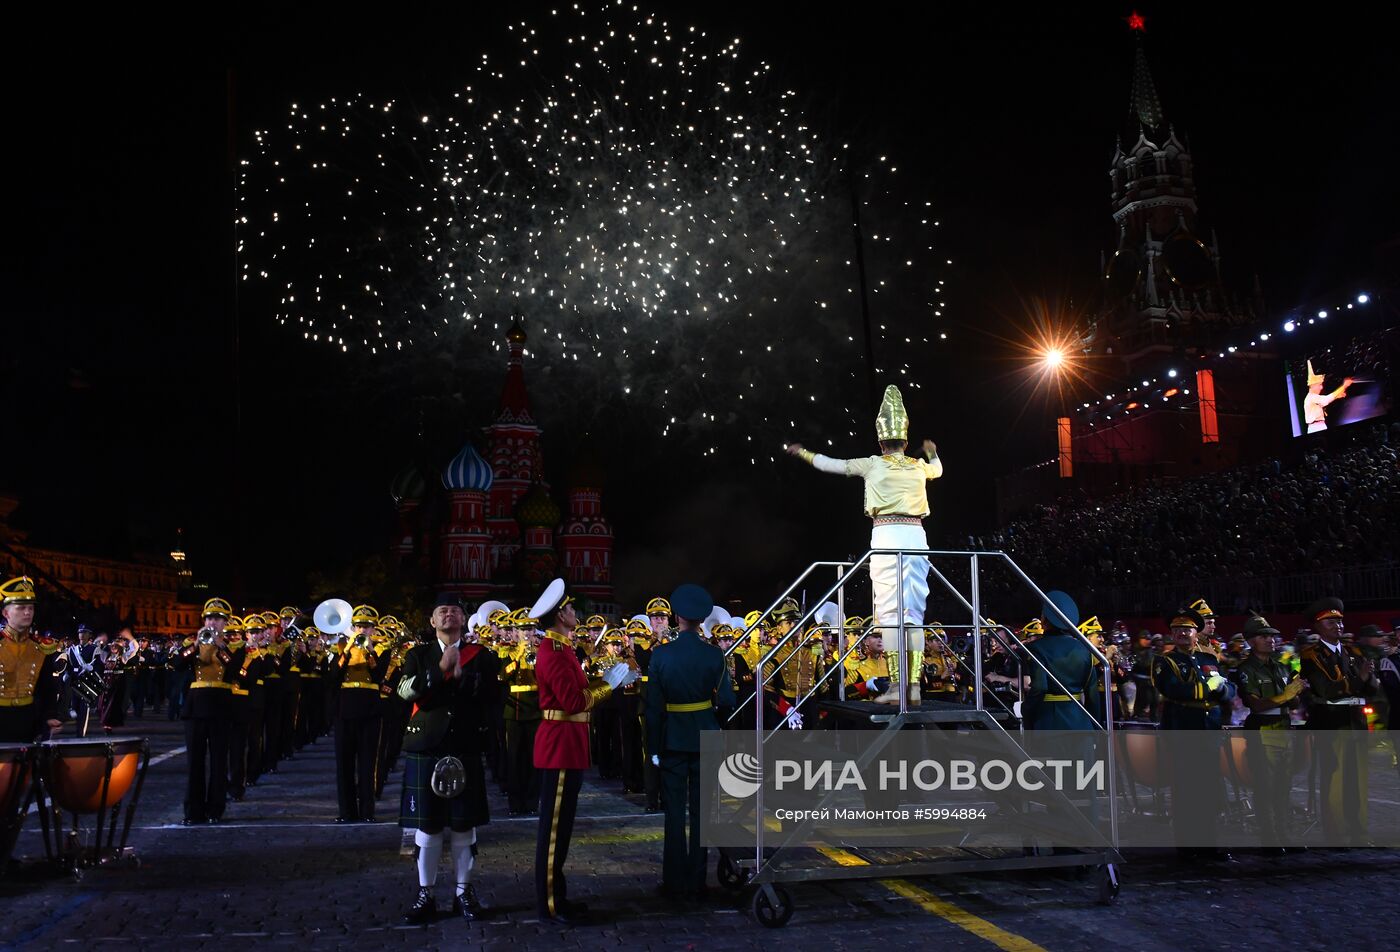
[[673, 229]]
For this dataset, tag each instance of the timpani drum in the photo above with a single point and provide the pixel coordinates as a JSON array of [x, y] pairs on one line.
[[1234, 761], [16, 766], [93, 775], [1137, 746]]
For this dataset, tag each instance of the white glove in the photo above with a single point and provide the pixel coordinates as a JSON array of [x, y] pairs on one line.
[[794, 720], [1214, 682], [656, 759], [620, 675]]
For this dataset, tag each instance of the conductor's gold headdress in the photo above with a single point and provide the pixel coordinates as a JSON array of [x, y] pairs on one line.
[[892, 422]]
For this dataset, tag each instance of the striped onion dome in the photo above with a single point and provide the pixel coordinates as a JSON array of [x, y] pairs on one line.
[[538, 509], [468, 471], [408, 486]]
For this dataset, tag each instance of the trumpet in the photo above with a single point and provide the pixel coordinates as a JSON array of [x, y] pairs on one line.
[[207, 636]]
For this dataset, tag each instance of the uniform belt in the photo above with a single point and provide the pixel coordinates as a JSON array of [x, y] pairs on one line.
[[274, 675], [211, 684], [361, 684], [16, 701], [688, 708], [305, 675], [898, 520], [260, 682], [1198, 705], [240, 692], [1064, 697], [643, 679], [552, 715], [523, 688], [1347, 702]]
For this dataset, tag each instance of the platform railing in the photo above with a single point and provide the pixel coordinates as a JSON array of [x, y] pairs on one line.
[[769, 667]]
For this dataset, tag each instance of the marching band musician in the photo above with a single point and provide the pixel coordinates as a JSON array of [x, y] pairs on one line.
[[452, 685], [740, 675], [607, 720], [394, 710], [30, 695], [277, 628], [282, 689], [357, 719], [797, 677], [941, 672], [561, 748], [637, 651], [658, 612], [120, 661], [252, 677], [310, 723], [896, 499], [521, 708], [207, 713], [868, 672], [241, 638]]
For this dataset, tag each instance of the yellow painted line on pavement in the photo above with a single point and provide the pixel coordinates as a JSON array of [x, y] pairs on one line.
[[997, 936]]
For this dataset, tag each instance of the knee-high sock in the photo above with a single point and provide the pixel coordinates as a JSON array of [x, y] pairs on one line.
[[429, 852], [463, 857]]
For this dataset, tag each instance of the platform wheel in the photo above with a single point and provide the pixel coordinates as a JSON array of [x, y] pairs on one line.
[[771, 906], [1108, 884], [731, 875]]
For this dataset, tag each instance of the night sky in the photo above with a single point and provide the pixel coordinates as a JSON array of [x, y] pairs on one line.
[[118, 354]]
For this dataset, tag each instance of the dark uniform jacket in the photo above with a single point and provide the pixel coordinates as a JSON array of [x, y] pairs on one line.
[[449, 712], [685, 671], [1073, 665]]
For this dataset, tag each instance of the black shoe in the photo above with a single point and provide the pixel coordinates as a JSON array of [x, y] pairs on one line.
[[367, 819], [468, 906], [188, 822], [344, 819], [423, 910], [212, 820]]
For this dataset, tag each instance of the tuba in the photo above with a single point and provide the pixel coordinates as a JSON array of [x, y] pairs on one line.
[[332, 616]]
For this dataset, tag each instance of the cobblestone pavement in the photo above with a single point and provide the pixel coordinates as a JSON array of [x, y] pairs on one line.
[[278, 874]]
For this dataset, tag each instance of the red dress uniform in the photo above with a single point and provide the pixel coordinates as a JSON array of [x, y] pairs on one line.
[[563, 744], [561, 755]]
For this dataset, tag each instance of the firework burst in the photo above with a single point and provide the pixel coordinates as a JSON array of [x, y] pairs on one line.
[[673, 229]]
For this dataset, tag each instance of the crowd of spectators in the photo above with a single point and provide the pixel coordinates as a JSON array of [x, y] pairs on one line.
[[1332, 509]]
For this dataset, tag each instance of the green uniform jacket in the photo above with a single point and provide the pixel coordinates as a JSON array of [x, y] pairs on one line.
[[685, 671], [1071, 661]]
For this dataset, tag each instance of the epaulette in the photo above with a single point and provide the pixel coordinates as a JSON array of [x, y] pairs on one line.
[[47, 645]]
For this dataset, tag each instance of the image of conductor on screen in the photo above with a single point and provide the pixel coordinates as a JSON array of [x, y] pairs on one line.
[[1315, 403]]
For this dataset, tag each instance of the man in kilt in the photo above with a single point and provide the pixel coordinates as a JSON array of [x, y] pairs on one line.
[[452, 684]]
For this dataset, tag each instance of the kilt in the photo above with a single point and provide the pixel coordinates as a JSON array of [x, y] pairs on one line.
[[421, 809]]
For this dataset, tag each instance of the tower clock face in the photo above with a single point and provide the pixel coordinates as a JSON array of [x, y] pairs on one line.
[[1188, 262], [1122, 274]]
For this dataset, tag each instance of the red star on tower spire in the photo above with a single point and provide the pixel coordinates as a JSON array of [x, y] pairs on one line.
[[1136, 22]]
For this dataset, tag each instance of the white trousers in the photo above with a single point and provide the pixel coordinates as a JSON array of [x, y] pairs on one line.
[[886, 580]]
